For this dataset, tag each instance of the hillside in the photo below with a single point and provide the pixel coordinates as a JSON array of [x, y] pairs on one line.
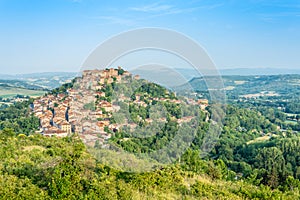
[[112, 135], [103, 103], [53, 168], [8, 91]]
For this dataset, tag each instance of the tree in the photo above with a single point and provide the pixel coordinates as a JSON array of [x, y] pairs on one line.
[[272, 161], [8, 132]]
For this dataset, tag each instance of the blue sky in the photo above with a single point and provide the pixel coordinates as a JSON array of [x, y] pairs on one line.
[[57, 35]]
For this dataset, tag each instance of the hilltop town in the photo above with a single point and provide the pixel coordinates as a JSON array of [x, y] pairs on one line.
[[86, 107]]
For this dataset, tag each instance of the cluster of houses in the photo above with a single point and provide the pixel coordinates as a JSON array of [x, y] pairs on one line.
[[79, 109], [51, 110], [83, 109]]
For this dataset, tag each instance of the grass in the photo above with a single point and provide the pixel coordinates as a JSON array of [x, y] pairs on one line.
[[239, 82], [229, 88], [30, 148], [259, 139], [291, 114], [8, 92], [290, 122]]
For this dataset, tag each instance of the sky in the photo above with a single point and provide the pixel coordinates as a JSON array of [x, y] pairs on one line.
[[58, 35]]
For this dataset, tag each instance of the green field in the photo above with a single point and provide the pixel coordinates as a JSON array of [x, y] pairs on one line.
[[7, 92], [291, 122], [291, 114]]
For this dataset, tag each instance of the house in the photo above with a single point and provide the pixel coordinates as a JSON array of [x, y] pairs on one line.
[[113, 72], [176, 101], [78, 128], [116, 108], [53, 131], [185, 119], [118, 78], [65, 126], [100, 94], [72, 92], [149, 120], [106, 105], [97, 114], [126, 73], [203, 101]]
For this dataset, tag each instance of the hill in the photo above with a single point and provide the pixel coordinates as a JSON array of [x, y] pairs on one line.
[[113, 135], [252, 84], [46, 80], [258, 71], [192, 73]]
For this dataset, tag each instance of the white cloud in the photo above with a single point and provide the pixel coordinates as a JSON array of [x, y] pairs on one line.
[[155, 7], [273, 17], [151, 11], [164, 9], [117, 20]]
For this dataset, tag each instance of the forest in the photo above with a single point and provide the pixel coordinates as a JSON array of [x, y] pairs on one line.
[[36, 167]]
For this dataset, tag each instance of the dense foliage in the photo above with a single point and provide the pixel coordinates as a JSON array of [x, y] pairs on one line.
[[250, 145], [19, 118], [37, 167]]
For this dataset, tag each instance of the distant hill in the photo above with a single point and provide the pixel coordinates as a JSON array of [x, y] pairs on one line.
[[252, 83], [37, 75], [192, 73], [46, 80], [51, 80], [258, 71], [19, 84]]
